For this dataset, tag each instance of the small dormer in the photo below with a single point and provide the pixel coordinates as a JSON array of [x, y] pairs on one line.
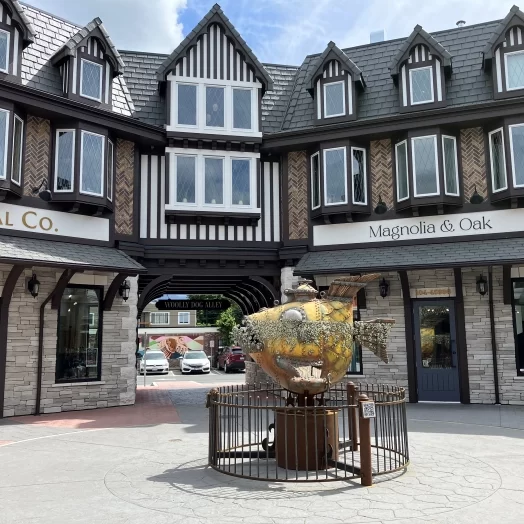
[[420, 69], [504, 56], [88, 62], [16, 33], [333, 81]]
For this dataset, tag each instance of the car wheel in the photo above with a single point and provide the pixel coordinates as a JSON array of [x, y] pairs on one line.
[[225, 368]]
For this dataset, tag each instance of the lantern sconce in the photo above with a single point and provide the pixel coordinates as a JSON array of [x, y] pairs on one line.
[[482, 285], [384, 288], [33, 286], [124, 290]]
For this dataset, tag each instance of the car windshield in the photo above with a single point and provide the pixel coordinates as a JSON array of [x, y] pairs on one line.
[[155, 356], [236, 350], [193, 355]]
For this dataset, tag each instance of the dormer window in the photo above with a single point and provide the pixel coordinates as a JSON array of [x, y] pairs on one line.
[[514, 70], [421, 85], [91, 80], [334, 99]]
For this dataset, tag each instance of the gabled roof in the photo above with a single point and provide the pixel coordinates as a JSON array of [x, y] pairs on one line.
[[216, 15], [332, 52], [514, 17], [94, 28], [420, 36], [18, 15]]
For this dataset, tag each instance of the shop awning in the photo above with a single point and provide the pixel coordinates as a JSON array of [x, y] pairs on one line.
[[419, 256], [67, 255]]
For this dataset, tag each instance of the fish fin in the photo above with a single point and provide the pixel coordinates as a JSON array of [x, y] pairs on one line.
[[348, 287], [373, 335]]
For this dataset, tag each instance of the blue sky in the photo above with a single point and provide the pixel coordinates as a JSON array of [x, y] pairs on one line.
[[279, 31]]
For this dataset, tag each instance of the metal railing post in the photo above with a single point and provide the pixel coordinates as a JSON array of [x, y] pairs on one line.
[[364, 425], [352, 393]]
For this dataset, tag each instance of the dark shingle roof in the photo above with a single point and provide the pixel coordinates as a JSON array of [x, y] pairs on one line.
[[385, 258], [499, 30], [18, 11], [50, 253]]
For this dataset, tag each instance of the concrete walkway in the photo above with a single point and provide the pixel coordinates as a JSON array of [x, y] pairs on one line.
[[147, 464]]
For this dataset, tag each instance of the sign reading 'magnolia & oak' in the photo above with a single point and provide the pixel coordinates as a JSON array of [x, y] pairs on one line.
[[44, 221], [445, 226]]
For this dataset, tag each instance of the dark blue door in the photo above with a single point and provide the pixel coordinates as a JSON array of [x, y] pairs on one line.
[[436, 349]]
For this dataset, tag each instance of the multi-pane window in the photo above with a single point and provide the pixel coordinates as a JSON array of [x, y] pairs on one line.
[[5, 38], [516, 135], [498, 160], [160, 318], [64, 160], [214, 106], [110, 168], [18, 140], [78, 349], [92, 164], [358, 175], [449, 151], [401, 156], [91, 80], [334, 100], [185, 179], [421, 85], [335, 179], [315, 181], [242, 108], [4, 134], [425, 166], [514, 66], [518, 323], [184, 317], [214, 181], [241, 182], [187, 104]]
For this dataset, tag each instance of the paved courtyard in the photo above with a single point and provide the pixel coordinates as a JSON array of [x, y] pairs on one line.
[[147, 463]]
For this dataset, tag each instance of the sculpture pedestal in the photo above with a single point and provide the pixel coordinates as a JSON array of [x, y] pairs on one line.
[[306, 440]]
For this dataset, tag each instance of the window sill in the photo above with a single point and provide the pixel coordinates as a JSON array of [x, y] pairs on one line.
[[71, 384], [218, 216], [519, 378]]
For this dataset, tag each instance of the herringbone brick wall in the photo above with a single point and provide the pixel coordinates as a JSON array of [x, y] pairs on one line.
[[125, 174], [473, 162], [381, 172], [37, 152], [297, 195]]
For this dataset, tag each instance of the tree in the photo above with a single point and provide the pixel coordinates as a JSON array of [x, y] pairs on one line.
[[225, 323], [206, 318]]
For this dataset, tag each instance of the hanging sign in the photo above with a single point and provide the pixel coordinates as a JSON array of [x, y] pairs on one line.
[[201, 305]]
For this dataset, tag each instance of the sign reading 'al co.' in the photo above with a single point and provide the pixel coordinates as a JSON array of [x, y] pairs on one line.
[[445, 226], [56, 223]]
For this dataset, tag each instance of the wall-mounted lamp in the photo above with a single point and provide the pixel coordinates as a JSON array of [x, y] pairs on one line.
[[381, 206], [124, 290], [43, 192], [475, 197], [33, 286], [482, 285], [384, 288]]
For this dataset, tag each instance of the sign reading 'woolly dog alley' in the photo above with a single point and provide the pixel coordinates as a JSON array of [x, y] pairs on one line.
[[463, 224]]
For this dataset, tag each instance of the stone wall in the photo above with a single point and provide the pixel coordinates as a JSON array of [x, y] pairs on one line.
[[287, 281], [118, 380], [256, 376]]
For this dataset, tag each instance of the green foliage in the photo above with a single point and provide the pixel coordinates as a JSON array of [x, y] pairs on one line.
[[227, 321], [206, 318]]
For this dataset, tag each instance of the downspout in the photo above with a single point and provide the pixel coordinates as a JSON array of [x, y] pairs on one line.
[[493, 337]]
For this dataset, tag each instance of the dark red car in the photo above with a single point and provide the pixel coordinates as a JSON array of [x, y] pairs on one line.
[[232, 359]]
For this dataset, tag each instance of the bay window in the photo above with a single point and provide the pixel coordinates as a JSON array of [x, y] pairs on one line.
[[79, 344], [242, 108], [450, 163], [187, 104], [241, 182], [64, 160], [91, 80], [214, 181], [110, 169], [335, 178], [401, 155], [499, 180], [4, 141], [185, 188], [18, 142], [516, 136], [315, 182], [359, 175], [92, 164], [214, 106], [11, 150], [425, 166]]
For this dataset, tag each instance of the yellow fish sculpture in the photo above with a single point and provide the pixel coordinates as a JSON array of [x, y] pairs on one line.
[[307, 343]]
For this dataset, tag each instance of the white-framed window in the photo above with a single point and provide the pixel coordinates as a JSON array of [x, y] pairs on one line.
[[359, 176], [186, 104], [110, 169], [4, 136], [315, 181], [335, 176], [215, 106], [91, 80], [159, 318], [64, 160], [425, 166], [499, 179], [450, 163], [242, 109], [401, 161], [18, 142], [208, 180], [334, 99], [5, 40], [421, 85], [514, 66], [516, 140], [92, 163], [184, 317]]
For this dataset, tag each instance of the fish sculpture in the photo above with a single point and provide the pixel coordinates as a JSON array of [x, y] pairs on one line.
[[307, 343]]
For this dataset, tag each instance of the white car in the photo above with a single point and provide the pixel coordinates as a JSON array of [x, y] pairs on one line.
[[195, 361], [155, 362]]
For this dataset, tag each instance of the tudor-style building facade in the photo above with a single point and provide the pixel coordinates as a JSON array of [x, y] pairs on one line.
[[206, 171]]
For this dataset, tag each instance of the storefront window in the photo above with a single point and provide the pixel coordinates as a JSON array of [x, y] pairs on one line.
[[79, 335], [518, 322]]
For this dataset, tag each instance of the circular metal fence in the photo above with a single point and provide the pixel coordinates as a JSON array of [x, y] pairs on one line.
[[351, 431]]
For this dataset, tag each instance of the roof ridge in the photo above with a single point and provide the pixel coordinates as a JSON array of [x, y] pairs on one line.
[[280, 65], [159, 55]]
